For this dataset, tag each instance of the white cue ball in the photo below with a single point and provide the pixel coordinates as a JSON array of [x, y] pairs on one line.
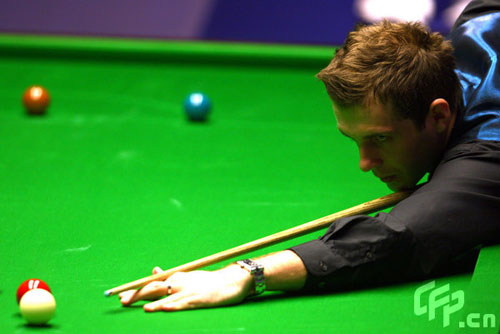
[[37, 306]]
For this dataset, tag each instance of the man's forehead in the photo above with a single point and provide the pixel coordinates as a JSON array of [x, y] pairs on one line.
[[363, 121], [366, 110]]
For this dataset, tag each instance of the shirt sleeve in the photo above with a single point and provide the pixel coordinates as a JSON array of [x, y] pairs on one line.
[[436, 229], [477, 8]]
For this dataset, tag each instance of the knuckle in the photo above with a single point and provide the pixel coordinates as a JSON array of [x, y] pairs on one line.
[[177, 276]]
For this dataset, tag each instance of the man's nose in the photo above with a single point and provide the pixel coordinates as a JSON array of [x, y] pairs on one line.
[[368, 159]]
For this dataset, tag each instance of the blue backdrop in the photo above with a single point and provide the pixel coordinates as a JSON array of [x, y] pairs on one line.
[[290, 21]]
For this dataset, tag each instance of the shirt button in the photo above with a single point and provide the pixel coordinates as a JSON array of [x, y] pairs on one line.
[[369, 254], [323, 266]]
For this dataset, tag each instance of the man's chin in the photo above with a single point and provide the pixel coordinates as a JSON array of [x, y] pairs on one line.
[[397, 185], [394, 187]]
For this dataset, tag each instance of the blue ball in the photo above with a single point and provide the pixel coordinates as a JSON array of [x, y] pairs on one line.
[[197, 107]]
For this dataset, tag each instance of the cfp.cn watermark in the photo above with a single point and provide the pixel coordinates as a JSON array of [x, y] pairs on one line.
[[428, 299]]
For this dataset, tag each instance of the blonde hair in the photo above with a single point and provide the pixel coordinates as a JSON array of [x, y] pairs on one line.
[[400, 64]]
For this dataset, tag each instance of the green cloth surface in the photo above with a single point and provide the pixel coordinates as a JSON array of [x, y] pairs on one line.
[[114, 180]]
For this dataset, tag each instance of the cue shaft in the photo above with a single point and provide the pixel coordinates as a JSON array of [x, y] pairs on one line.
[[294, 232]]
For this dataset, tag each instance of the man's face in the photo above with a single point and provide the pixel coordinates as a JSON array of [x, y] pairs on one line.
[[394, 149]]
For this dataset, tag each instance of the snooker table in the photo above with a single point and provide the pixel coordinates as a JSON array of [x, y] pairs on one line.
[[114, 180]]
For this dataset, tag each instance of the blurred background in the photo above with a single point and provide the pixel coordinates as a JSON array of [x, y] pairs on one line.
[[290, 21]]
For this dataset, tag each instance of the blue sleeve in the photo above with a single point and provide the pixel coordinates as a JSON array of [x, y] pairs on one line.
[[477, 8], [476, 41]]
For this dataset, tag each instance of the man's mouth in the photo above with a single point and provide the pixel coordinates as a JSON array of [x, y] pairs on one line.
[[387, 179]]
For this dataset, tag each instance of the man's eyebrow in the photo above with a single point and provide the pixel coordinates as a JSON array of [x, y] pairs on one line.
[[369, 134]]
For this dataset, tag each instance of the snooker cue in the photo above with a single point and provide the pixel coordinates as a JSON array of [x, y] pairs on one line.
[[312, 226]]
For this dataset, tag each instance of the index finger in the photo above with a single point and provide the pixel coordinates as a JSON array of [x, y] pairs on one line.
[[153, 290]]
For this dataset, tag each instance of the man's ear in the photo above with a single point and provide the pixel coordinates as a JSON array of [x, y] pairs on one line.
[[440, 115]]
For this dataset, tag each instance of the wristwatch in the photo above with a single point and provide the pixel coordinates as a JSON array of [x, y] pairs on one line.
[[257, 271]]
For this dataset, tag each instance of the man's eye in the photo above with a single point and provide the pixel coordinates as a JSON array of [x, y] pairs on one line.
[[381, 138]]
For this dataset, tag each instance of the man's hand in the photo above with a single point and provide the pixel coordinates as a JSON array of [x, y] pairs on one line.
[[196, 289], [283, 271]]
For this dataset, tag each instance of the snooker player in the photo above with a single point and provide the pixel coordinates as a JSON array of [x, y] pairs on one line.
[[414, 103]]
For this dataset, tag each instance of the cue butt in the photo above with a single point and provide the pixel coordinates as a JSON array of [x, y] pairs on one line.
[[315, 225]]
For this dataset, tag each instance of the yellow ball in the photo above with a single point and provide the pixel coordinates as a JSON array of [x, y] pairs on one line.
[[37, 306]]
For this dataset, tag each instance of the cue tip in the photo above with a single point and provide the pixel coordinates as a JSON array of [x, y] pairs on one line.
[[107, 293]]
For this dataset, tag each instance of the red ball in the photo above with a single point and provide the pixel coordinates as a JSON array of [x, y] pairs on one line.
[[36, 100], [30, 284]]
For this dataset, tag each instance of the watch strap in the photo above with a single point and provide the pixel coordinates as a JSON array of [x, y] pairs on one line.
[[257, 271]]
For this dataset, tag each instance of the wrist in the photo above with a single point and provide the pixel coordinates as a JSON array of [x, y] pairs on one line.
[[242, 278], [256, 272]]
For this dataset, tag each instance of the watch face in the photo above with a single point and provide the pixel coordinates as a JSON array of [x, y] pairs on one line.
[[252, 267]]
